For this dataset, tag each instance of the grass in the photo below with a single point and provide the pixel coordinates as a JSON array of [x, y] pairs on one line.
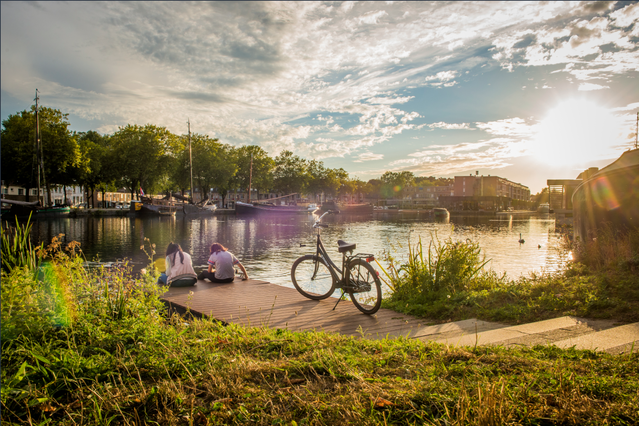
[[95, 347], [448, 283]]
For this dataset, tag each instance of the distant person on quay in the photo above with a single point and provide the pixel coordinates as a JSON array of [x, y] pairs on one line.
[[179, 268], [221, 266]]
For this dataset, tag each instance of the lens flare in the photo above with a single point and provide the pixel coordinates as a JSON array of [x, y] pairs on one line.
[[58, 295], [397, 188], [603, 194]]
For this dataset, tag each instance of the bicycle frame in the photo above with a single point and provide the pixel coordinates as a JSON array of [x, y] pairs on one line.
[[342, 282]]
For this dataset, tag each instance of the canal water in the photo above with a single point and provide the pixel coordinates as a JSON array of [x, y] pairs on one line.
[[268, 246]]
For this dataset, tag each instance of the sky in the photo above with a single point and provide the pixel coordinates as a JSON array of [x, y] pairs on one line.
[[528, 91]]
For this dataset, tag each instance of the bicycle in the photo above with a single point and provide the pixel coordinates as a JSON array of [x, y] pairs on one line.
[[316, 276]]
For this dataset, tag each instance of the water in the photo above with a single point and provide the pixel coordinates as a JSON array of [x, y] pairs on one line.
[[268, 246]]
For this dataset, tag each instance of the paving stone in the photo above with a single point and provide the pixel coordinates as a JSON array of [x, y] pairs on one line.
[[603, 340]]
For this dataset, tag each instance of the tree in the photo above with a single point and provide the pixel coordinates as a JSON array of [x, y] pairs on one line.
[[59, 149], [394, 183], [142, 154], [290, 173], [92, 169], [261, 177]]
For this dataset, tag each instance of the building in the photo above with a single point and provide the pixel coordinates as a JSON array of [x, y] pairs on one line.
[[109, 199], [486, 193], [428, 196], [72, 195]]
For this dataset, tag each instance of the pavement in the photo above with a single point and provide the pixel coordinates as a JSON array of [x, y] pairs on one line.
[[564, 332]]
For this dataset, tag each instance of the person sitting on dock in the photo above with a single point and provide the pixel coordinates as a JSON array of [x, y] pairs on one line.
[[221, 266], [179, 269]]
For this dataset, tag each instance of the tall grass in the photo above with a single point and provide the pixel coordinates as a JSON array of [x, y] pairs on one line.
[[611, 249], [17, 250]]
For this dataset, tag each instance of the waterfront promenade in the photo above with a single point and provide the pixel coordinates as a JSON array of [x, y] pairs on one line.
[[255, 303]]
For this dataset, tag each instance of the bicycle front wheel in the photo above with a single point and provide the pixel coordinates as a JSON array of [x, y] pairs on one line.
[[312, 277], [365, 289]]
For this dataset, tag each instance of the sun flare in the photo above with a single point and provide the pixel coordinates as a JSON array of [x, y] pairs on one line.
[[577, 132]]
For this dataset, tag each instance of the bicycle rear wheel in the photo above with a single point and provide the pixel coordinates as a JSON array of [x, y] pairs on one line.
[[365, 287], [312, 277]]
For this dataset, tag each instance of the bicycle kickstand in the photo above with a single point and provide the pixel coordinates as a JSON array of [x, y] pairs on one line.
[[340, 298]]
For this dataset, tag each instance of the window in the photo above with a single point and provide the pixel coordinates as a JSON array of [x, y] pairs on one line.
[[20, 191], [4, 190], [34, 192]]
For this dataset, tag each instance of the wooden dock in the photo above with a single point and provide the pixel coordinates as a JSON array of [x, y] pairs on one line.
[[262, 304]]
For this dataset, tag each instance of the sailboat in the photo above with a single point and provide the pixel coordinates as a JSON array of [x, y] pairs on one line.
[[36, 208]]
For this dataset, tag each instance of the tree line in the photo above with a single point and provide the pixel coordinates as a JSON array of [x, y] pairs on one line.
[[155, 160]]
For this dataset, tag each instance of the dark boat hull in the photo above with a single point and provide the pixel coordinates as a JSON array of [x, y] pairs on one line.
[[348, 208], [252, 209], [25, 209]]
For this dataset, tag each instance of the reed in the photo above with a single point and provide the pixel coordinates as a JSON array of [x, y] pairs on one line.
[[611, 249], [444, 269], [17, 250]]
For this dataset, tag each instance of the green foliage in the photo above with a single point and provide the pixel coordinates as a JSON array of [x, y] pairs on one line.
[[17, 251], [447, 268], [290, 174], [59, 147]]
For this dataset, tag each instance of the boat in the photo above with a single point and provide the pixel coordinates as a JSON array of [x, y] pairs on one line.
[[148, 208], [440, 213], [348, 208], [33, 208], [608, 200], [543, 208], [263, 208], [312, 207]]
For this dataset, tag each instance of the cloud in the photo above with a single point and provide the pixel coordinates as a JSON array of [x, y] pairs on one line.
[[368, 156], [585, 87], [590, 48], [450, 126]]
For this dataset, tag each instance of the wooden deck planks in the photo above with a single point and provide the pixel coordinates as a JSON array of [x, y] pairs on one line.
[[259, 303]]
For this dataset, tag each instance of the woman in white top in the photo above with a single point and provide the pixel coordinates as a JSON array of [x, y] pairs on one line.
[[179, 268], [221, 266]]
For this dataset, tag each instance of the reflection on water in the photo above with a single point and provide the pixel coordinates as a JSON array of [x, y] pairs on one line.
[[268, 246]]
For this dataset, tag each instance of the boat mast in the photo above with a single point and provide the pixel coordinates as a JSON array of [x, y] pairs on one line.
[[637, 132], [191, 162], [250, 178], [39, 151]]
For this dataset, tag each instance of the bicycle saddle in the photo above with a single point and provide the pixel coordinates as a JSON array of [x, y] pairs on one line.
[[344, 246]]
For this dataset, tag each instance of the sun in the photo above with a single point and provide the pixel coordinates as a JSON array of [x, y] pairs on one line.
[[577, 132]]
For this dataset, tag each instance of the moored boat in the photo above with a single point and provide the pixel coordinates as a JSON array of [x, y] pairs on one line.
[[255, 208], [346, 208], [441, 213], [543, 208]]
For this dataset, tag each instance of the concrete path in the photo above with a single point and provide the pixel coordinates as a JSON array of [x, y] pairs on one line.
[[262, 304]]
